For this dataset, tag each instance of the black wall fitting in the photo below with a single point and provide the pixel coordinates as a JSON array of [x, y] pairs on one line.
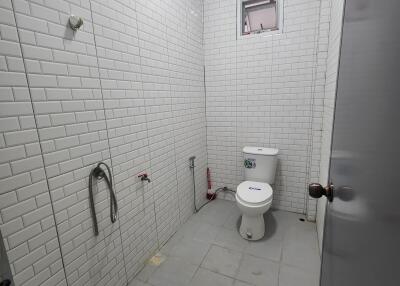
[[98, 174]]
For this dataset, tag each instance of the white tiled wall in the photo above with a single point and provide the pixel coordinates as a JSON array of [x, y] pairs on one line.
[[319, 78], [26, 215], [172, 60], [63, 74], [116, 36], [126, 89], [186, 63], [266, 90]]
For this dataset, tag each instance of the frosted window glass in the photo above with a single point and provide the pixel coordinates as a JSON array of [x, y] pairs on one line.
[[262, 19], [259, 16]]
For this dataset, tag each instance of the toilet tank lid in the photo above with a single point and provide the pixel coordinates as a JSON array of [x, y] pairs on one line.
[[260, 151]]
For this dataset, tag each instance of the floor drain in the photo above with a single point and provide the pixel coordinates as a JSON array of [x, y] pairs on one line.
[[301, 219]]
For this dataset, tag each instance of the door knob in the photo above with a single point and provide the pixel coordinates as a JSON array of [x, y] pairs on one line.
[[316, 191]]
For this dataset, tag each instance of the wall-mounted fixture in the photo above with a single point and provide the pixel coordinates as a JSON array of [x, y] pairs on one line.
[[75, 22], [144, 177], [98, 174]]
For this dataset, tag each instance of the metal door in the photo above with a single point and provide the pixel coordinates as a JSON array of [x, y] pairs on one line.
[[362, 227]]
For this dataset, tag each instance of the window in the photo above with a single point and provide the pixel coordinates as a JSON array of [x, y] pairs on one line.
[[258, 16]]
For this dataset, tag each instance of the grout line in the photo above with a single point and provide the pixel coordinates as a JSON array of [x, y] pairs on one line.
[[108, 143], [311, 120], [40, 145], [173, 120], [147, 126]]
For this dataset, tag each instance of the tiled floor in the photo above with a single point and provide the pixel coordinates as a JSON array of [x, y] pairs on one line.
[[208, 251]]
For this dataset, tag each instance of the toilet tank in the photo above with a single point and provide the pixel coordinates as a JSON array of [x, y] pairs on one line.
[[260, 164]]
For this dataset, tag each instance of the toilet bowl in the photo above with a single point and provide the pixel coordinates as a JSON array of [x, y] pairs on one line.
[[253, 199], [254, 195]]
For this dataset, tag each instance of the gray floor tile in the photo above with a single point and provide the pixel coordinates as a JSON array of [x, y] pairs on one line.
[[200, 231], [266, 248], [189, 250], [303, 232], [233, 220], [205, 233], [173, 272], [174, 240], [231, 239], [137, 282], [231, 260], [275, 225], [222, 260], [294, 276], [205, 277], [258, 271], [208, 218], [146, 273], [215, 213], [219, 203], [301, 254], [241, 283]]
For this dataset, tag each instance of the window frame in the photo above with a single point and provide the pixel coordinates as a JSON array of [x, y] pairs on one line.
[[240, 18]]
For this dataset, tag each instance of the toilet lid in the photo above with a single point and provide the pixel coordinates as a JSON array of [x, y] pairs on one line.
[[254, 192]]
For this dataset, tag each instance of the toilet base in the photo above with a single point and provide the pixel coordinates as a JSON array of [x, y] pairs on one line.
[[252, 227]]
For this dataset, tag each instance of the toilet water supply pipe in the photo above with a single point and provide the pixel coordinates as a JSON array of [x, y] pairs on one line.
[[213, 195]]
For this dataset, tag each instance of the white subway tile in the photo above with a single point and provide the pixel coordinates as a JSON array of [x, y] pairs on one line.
[[21, 137], [18, 209]]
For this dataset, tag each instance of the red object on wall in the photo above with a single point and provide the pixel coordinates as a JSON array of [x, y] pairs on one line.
[[208, 178], [211, 196]]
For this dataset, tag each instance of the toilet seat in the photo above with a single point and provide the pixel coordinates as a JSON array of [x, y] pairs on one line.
[[254, 193]]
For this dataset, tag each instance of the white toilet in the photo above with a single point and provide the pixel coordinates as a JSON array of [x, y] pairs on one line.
[[254, 195]]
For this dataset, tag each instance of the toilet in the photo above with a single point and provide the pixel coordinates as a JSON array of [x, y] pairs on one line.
[[254, 195]]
